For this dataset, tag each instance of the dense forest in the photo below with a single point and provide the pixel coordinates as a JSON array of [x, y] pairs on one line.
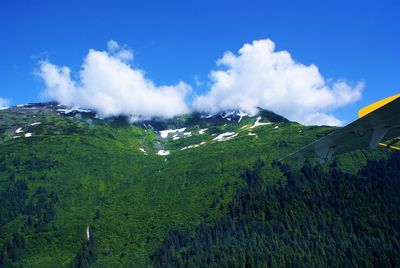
[[86, 255], [315, 218], [36, 210]]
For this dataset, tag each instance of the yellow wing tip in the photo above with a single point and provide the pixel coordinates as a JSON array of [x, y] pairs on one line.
[[374, 106]]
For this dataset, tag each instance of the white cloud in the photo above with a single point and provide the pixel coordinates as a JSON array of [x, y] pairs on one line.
[[112, 46], [321, 119], [259, 76], [111, 86], [116, 51], [4, 103]]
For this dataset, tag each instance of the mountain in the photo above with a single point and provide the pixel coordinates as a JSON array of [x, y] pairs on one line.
[[136, 182]]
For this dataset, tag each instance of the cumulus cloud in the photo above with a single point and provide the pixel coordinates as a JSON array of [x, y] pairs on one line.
[[4, 103], [259, 76], [118, 52], [110, 85]]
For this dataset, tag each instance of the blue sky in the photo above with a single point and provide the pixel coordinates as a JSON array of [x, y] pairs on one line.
[[180, 40]]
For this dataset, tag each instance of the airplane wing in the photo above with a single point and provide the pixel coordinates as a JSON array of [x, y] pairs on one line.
[[378, 122]]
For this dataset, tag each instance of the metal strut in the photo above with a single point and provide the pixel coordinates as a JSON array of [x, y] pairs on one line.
[[377, 136]]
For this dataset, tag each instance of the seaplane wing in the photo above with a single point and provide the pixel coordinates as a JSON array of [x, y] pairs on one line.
[[377, 123]]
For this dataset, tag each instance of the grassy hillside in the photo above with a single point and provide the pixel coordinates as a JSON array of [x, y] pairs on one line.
[[79, 170]]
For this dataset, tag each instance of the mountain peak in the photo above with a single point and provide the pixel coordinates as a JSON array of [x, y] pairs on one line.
[[271, 116]]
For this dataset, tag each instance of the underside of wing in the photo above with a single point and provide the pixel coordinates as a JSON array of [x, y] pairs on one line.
[[377, 123]]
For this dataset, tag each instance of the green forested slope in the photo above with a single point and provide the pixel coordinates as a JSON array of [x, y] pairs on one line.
[[316, 219], [78, 170]]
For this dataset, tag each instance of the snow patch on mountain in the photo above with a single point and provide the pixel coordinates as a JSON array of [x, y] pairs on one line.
[[225, 136], [257, 123], [164, 133], [207, 116], [71, 110], [187, 134], [241, 114], [202, 131], [193, 146], [227, 114], [163, 153], [190, 146]]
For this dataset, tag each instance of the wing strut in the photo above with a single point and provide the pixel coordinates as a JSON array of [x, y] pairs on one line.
[[377, 136], [325, 153], [390, 145]]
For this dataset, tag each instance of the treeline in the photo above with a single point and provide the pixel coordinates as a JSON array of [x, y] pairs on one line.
[[314, 219]]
